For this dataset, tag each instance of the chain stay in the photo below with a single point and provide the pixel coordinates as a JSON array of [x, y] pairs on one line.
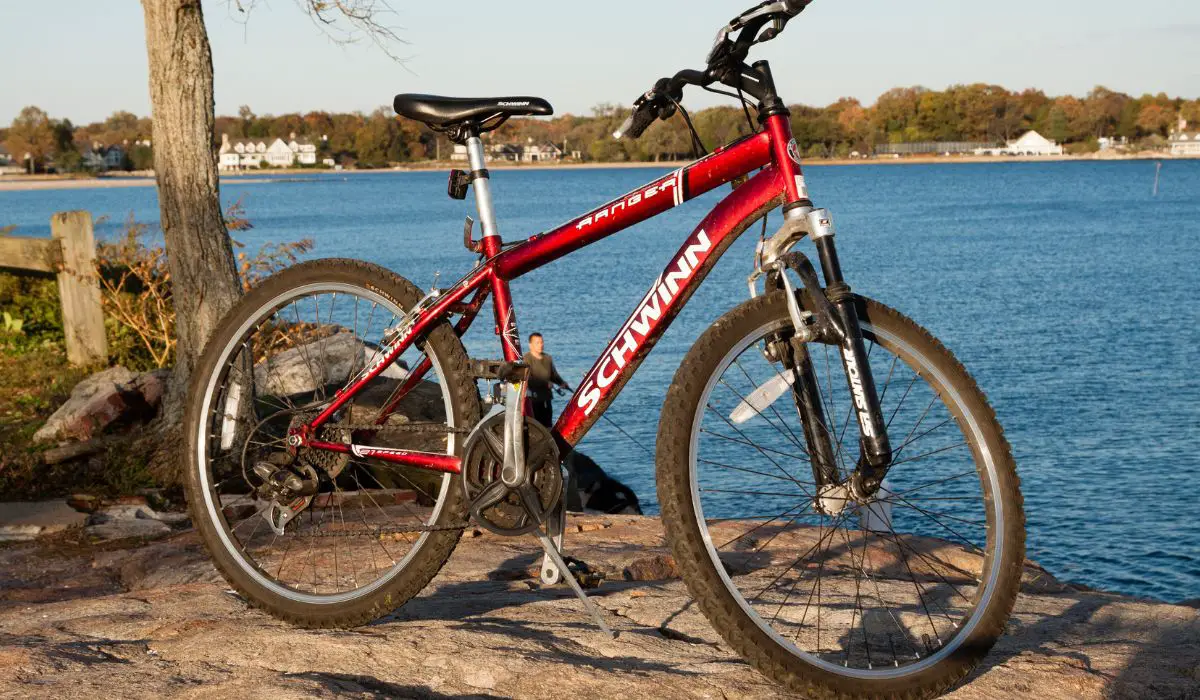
[[415, 427]]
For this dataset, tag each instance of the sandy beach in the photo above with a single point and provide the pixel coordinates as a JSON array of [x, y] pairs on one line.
[[23, 183]]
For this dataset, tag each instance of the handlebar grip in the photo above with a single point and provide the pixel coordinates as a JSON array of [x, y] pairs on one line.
[[637, 122]]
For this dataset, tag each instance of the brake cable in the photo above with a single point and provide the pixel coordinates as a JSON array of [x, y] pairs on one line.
[[697, 145]]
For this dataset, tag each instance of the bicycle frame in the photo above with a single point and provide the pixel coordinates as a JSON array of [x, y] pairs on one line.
[[780, 181]]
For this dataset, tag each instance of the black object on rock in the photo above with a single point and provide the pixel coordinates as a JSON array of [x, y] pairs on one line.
[[589, 488]]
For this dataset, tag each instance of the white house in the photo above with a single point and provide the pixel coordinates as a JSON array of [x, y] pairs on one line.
[[305, 150], [1030, 144], [1185, 143], [1034, 144], [540, 152], [514, 152], [275, 152]]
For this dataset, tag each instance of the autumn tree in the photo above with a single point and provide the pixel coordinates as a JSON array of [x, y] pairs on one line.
[[1155, 119], [31, 133]]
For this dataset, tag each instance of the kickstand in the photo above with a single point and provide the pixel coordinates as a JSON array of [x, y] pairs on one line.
[[557, 560], [551, 574]]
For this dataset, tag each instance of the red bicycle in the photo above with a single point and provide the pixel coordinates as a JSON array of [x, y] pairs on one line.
[[862, 537]]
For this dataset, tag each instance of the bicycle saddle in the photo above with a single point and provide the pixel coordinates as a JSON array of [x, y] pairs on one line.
[[446, 111]]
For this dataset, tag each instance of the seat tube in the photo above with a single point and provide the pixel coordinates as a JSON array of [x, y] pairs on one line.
[[506, 318]]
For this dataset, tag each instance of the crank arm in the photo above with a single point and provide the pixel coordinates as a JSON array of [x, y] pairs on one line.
[[513, 471]]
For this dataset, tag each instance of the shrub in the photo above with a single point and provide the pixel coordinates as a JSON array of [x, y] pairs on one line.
[[135, 286]]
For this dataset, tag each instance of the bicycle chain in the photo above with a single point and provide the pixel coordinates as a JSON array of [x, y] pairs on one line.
[[415, 427]]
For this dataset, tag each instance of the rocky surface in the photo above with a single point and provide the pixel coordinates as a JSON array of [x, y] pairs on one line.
[[153, 620], [27, 520]]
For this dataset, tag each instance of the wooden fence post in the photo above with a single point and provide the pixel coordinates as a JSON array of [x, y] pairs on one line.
[[79, 288]]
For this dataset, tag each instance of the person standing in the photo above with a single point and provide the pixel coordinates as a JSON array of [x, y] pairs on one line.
[[542, 374]]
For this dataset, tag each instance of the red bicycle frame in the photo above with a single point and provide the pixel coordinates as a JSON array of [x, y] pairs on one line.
[[780, 181]]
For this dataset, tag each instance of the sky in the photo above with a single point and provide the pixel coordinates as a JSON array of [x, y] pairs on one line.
[[84, 59]]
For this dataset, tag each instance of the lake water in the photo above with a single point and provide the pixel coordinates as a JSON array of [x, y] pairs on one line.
[[1067, 289]]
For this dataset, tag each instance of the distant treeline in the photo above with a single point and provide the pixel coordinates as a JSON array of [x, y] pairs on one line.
[[976, 112]]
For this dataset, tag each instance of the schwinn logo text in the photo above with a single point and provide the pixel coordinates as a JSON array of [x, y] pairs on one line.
[[514, 104], [629, 339], [860, 397], [674, 183]]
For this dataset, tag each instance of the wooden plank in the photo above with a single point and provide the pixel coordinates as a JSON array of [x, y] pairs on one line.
[[37, 254], [79, 288]]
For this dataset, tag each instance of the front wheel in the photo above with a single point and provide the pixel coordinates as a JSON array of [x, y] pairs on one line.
[[896, 595]]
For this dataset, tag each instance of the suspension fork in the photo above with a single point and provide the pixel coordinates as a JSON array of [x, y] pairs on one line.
[[806, 395], [875, 452]]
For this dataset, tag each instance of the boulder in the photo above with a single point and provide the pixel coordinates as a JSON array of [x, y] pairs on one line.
[[305, 368], [95, 403], [27, 520], [124, 520], [596, 491], [657, 567]]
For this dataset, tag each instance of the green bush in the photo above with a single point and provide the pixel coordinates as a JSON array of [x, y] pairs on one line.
[[30, 313]]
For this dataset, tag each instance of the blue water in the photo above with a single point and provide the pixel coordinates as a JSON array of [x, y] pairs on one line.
[[1067, 289]]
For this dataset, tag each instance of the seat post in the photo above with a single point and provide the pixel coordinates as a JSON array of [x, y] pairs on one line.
[[483, 195]]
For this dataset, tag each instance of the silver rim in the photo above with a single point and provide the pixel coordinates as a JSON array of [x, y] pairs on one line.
[[883, 668], [205, 434]]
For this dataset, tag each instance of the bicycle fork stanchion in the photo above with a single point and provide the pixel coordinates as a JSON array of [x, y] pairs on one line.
[[876, 450]]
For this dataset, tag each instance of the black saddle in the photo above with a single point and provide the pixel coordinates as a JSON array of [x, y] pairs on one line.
[[447, 112]]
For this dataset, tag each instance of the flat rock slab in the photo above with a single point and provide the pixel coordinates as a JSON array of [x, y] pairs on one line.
[[156, 620], [27, 520]]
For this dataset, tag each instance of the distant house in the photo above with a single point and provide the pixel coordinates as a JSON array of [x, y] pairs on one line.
[[1030, 144], [1113, 143], [5, 156], [540, 152], [93, 159], [114, 157], [305, 150], [236, 154], [514, 152], [1183, 142], [506, 151], [931, 147]]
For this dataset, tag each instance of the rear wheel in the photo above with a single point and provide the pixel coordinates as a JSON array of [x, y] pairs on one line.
[[352, 538], [899, 595]]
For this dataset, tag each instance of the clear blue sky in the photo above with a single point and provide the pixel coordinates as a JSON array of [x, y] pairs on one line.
[[84, 59]]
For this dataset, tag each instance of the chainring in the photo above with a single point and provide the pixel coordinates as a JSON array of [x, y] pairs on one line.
[[502, 509]]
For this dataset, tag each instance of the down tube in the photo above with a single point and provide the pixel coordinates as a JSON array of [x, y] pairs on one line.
[[663, 301]]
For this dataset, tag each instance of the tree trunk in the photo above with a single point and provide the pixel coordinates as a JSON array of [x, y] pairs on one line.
[[204, 277]]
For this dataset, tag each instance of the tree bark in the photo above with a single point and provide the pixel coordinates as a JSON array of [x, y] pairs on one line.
[[204, 277]]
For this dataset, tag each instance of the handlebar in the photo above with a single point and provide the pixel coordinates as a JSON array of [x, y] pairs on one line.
[[659, 102]]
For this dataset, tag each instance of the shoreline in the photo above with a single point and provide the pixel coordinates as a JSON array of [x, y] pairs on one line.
[[30, 183]]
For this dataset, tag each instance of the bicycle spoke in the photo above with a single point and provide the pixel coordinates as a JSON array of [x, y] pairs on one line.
[[809, 579]]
